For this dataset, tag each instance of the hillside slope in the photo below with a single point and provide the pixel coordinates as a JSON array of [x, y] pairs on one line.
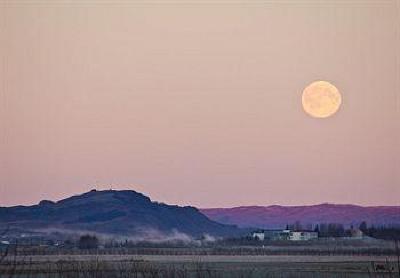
[[112, 212]]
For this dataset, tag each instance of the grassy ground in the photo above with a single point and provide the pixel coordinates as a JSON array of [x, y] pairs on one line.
[[322, 258], [197, 266]]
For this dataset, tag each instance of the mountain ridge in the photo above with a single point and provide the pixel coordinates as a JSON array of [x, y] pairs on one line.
[[276, 216], [122, 212]]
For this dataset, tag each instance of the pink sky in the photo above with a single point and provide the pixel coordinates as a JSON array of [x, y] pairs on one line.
[[199, 103]]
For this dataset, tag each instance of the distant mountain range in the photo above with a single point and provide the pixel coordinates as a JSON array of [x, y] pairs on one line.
[[127, 213], [280, 216]]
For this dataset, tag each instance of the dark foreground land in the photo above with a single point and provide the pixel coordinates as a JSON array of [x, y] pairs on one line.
[[322, 258], [142, 266]]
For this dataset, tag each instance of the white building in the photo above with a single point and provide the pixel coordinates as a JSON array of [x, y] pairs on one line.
[[356, 233], [258, 235], [302, 235], [284, 235]]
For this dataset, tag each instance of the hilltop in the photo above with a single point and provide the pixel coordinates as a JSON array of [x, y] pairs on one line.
[[125, 212]]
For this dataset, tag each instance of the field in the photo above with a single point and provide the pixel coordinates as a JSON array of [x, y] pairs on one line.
[[198, 266], [254, 262]]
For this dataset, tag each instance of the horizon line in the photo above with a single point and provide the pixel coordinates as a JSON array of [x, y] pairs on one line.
[[205, 208]]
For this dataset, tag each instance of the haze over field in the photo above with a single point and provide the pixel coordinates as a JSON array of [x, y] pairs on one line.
[[199, 103]]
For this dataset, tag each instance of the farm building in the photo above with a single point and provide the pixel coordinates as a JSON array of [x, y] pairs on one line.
[[277, 234], [259, 235], [302, 235], [356, 233], [284, 235]]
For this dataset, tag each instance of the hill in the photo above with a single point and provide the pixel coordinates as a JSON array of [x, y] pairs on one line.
[[279, 216], [124, 212]]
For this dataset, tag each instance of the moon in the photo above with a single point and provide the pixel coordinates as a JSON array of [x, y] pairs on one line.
[[321, 99]]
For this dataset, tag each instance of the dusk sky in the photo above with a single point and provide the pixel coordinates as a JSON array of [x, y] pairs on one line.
[[199, 103]]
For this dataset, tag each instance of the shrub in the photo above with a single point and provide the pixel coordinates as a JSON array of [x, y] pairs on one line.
[[88, 242]]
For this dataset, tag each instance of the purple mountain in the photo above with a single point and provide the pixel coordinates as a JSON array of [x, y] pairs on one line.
[[123, 212], [280, 216]]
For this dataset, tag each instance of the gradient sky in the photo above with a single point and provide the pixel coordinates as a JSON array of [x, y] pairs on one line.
[[199, 104]]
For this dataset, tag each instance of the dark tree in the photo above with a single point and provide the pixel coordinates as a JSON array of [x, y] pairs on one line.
[[3, 253], [363, 226], [88, 242], [331, 230], [298, 226]]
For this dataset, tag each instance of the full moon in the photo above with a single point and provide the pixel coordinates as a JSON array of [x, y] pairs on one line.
[[321, 99]]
